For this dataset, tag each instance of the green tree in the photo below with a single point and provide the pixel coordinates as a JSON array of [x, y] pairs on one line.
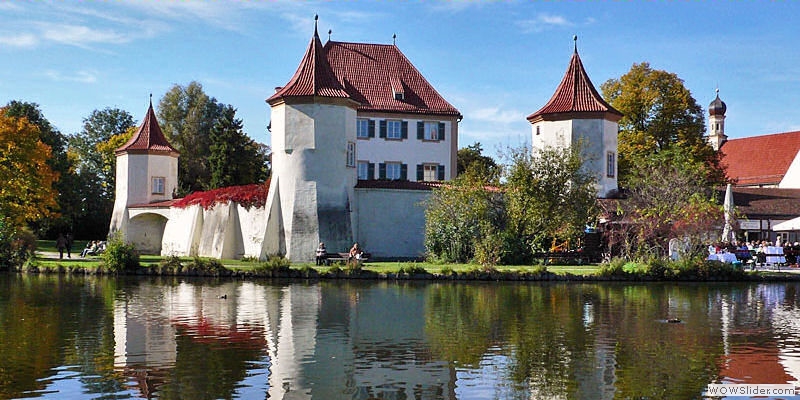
[[456, 216], [549, 196], [234, 158], [471, 161], [659, 114], [67, 200], [669, 196], [187, 115], [95, 170]]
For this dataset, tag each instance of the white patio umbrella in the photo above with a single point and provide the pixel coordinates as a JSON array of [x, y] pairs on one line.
[[790, 225], [728, 234]]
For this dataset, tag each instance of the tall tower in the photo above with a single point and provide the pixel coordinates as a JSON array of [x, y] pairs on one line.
[[716, 123], [147, 171], [313, 149], [578, 114]]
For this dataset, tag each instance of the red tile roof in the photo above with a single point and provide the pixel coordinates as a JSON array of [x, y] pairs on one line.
[[148, 139], [313, 77], [575, 94], [370, 74], [373, 73], [760, 160]]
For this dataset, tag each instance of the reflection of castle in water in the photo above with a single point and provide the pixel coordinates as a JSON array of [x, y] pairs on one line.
[[307, 346]]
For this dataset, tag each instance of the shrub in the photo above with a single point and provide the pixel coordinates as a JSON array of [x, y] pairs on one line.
[[448, 270], [274, 263], [412, 269], [209, 266], [119, 256], [615, 267]]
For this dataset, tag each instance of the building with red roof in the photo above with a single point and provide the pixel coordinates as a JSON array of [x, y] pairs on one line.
[[577, 115]]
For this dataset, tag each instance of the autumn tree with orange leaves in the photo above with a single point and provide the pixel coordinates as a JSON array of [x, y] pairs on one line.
[[27, 193]]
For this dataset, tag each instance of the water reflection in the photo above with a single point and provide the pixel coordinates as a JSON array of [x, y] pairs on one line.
[[176, 338]]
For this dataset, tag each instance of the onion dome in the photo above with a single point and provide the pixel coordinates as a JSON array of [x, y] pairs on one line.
[[717, 107]]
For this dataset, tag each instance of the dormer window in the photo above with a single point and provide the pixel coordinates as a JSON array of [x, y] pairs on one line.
[[397, 89]]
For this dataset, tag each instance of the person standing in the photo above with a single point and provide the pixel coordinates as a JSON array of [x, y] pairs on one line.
[[68, 239], [61, 244]]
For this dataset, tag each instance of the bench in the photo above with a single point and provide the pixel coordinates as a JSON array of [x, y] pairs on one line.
[[343, 257]]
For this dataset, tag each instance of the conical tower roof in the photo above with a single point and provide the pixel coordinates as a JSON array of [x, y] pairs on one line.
[[314, 76], [575, 95], [149, 138]]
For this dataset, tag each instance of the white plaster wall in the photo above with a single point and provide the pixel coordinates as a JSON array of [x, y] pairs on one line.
[[182, 232], [411, 151], [119, 217], [253, 225], [391, 223], [600, 137], [551, 133], [792, 178], [310, 174], [216, 221]]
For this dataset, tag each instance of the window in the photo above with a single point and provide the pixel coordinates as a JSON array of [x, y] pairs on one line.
[[366, 170], [611, 164], [394, 129], [537, 129], [430, 172], [430, 131], [365, 128], [393, 170], [351, 154], [158, 184]]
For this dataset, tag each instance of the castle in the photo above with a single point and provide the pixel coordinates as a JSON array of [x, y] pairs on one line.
[[341, 158]]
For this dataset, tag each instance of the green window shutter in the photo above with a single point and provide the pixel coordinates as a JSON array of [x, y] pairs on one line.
[[405, 129], [441, 130], [381, 171], [420, 130], [440, 172], [371, 128], [371, 171], [383, 129], [403, 172], [420, 172]]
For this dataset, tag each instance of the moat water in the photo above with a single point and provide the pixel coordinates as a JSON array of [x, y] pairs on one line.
[[101, 338]]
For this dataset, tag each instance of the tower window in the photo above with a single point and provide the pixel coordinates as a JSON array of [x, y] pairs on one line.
[[351, 154], [611, 164], [158, 184]]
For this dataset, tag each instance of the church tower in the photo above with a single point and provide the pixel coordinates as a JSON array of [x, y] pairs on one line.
[[311, 192], [578, 114], [147, 171], [716, 123]]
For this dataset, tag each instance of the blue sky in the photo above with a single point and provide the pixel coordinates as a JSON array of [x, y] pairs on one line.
[[496, 61]]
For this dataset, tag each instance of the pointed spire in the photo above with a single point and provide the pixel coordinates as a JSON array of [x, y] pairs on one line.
[[575, 94], [314, 76], [149, 138]]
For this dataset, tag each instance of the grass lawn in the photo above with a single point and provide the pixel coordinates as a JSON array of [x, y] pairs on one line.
[[380, 267]]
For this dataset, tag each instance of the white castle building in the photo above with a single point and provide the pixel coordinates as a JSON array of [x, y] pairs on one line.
[[345, 166]]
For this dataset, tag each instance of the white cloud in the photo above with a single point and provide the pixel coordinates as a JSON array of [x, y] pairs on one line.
[[79, 76], [496, 115], [543, 22], [20, 40], [81, 36]]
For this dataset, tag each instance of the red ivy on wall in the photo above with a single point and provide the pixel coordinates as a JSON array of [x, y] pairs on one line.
[[247, 196]]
